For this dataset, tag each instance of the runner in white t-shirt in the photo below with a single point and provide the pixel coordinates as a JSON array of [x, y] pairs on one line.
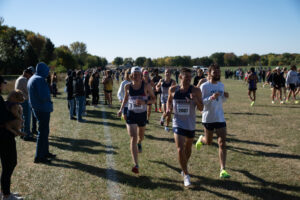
[[213, 95]]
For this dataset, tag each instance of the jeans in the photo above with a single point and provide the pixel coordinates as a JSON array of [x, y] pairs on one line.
[[71, 107], [27, 118], [8, 155], [80, 100], [42, 142], [34, 121]]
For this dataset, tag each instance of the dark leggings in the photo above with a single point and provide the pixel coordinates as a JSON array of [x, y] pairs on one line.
[[95, 94], [8, 154]]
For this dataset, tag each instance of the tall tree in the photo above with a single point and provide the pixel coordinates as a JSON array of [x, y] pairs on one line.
[[118, 61], [148, 63], [78, 48], [218, 58], [128, 61], [139, 61], [47, 52], [230, 59], [253, 59], [37, 42]]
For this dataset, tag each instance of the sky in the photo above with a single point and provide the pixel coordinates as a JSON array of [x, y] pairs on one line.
[[159, 28]]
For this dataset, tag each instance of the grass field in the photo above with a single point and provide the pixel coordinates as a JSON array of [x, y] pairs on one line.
[[94, 162]]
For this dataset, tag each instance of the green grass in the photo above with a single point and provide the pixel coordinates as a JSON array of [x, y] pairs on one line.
[[263, 156]]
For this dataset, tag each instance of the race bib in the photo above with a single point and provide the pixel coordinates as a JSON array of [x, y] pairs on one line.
[[134, 106], [183, 109]]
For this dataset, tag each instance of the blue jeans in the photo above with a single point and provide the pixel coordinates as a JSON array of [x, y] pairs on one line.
[[79, 106], [71, 107], [42, 142], [34, 127], [27, 118]]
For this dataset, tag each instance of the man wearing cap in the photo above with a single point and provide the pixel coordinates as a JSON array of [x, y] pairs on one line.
[[21, 84], [40, 101]]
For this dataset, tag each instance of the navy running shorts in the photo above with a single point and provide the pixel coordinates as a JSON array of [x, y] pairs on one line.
[[136, 118], [184, 132], [214, 125]]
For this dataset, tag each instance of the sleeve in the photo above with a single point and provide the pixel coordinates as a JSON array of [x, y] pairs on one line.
[[206, 100], [120, 93], [288, 77], [5, 114], [223, 96]]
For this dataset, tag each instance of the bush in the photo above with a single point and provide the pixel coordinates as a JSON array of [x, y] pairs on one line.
[[60, 69]]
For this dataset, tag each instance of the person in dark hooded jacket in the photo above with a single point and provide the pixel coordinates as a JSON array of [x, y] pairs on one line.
[[40, 101], [79, 96]]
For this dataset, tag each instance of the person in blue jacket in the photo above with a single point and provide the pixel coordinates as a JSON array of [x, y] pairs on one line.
[[40, 101]]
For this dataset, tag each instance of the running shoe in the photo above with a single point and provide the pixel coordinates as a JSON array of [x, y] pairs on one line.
[[252, 103], [135, 170], [160, 110], [281, 102], [296, 102], [140, 147], [167, 129], [224, 174], [186, 180], [162, 121], [287, 101], [273, 102], [199, 143]]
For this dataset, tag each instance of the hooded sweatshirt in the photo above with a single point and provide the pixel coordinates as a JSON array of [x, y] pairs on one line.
[[38, 90]]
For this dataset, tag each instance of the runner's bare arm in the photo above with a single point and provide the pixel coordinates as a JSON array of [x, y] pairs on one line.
[[158, 85], [170, 98], [151, 94], [197, 97]]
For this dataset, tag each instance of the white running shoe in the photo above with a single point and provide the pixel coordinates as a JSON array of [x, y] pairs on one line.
[[13, 197], [186, 180], [273, 102], [281, 102]]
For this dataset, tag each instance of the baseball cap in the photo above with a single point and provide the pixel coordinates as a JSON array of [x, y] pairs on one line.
[[2, 80], [136, 69], [145, 72], [32, 69], [28, 71], [277, 68]]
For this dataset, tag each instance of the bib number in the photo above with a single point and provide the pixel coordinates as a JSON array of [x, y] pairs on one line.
[[182, 109]]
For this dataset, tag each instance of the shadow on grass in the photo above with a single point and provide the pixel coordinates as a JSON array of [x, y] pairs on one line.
[[151, 137], [98, 114], [248, 113], [261, 153], [109, 124], [266, 190], [143, 182], [79, 145], [234, 140], [79, 142], [277, 106]]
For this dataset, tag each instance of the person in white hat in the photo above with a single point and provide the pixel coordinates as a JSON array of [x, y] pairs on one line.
[[137, 95]]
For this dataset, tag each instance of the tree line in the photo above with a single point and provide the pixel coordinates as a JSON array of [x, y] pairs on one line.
[[22, 48], [221, 58]]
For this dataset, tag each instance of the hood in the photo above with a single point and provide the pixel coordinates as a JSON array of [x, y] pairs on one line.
[[42, 70]]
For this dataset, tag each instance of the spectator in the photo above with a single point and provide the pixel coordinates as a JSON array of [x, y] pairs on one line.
[[8, 150], [54, 84], [79, 96], [21, 84], [40, 101], [70, 84]]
